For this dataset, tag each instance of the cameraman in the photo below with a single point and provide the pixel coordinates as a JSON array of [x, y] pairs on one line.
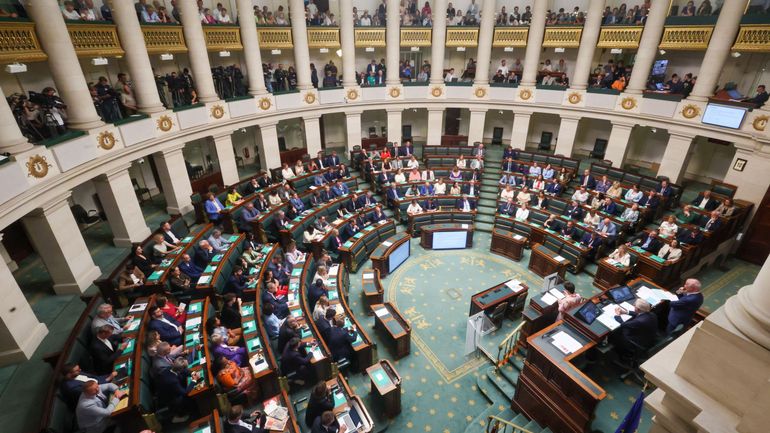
[[106, 101], [57, 110]]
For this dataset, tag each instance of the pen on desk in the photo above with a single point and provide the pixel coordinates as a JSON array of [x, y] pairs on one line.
[[548, 334]]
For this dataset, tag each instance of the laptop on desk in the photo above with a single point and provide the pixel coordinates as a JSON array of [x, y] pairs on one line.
[[621, 294]]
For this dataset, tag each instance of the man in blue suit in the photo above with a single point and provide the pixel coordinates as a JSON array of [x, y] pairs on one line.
[[508, 208], [426, 189], [608, 206], [315, 291], [333, 159], [170, 331], [237, 282], [712, 223], [190, 269], [407, 149], [573, 211], [553, 188], [367, 199], [466, 205], [591, 241], [607, 229], [339, 189], [650, 200], [280, 305], [213, 208], [393, 195], [587, 180], [335, 241], [664, 189], [340, 341], [296, 203], [203, 254], [690, 299], [510, 152], [509, 165], [650, 242]]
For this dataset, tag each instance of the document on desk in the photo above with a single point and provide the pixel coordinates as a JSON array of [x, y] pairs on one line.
[[610, 309], [380, 312], [608, 320], [387, 243], [559, 258], [556, 293], [548, 298], [515, 286], [368, 276], [518, 237], [464, 226], [626, 306], [566, 343]]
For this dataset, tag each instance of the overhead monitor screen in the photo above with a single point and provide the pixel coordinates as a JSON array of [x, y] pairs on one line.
[[724, 115]]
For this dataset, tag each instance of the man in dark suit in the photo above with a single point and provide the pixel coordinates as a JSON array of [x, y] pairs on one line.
[[510, 152], [407, 149], [295, 360], [251, 187], [465, 204], [105, 349], [261, 204], [650, 200], [189, 268], [73, 379], [429, 205], [508, 208], [664, 189], [553, 188], [574, 211], [385, 177], [238, 423], [508, 165], [315, 291], [681, 311], [203, 254], [690, 237], [170, 331], [650, 242], [608, 206], [172, 386], [335, 241], [289, 329], [340, 341], [324, 324], [393, 195], [169, 235], [280, 305], [264, 180], [471, 189], [320, 161], [568, 230], [377, 215], [591, 241], [712, 223], [636, 333], [237, 283], [367, 199], [705, 202], [587, 180], [280, 221], [333, 159], [352, 229]]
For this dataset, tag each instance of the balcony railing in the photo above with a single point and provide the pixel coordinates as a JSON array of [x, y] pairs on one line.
[[370, 37], [753, 38], [691, 38], [18, 42], [561, 36], [416, 37], [95, 39], [323, 37], [510, 37], [162, 39], [275, 37], [620, 37], [462, 36], [220, 38]]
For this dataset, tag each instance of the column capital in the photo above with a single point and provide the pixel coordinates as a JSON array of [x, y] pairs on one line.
[[173, 150], [349, 113], [268, 125], [53, 204], [680, 135], [569, 118], [222, 135], [522, 113], [114, 172], [621, 124], [478, 110], [311, 117], [394, 110]]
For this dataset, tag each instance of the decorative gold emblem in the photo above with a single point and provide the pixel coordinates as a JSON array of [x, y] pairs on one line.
[[575, 98], [352, 94], [436, 91], [480, 92], [690, 110], [628, 103], [309, 98], [106, 140], [217, 111], [395, 92], [760, 122], [165, 123], [525, 94], [265, 103], [38, 166]]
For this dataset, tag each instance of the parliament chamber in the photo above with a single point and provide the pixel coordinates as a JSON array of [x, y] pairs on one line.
[[500, 216]]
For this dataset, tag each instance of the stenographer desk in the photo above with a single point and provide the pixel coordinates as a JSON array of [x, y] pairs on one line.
[[381, 255], [446, 236], [507, 243], [489, 299], [609, 274], [543, 261], [386, 387]]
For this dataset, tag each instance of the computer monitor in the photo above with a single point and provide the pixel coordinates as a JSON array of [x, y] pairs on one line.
[[659, 67], [621, 294], [734, 94], [588, 312]]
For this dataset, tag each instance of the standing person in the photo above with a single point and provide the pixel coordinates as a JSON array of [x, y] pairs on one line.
[[690, 299]]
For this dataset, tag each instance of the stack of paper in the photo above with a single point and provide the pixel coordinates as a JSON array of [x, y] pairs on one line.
[[380, 312], [566, 343], [368, 276], [556, 294], [515, 286], [387, 243], [548, 299], [559, 258]]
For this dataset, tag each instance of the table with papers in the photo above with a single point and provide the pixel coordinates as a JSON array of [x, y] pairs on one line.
[[514, 292]]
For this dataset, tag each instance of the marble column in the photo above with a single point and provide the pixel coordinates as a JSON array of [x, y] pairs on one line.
[[676, 157], [11, 140], [197, 51], [439, 42], [566, 138], [486, 34], [394, 125], [648, 46], [20, 331], [725, 31], [435, 126], [120, 204], [251, 54], [301, 53], [534, 44], [226, 157], [139, 67], [393, 39], [10, 262], [174, 180], [353, 129], [520, 130], [749, 310], [617, 144], [476, 125], [312, 133], [269, 154], [585, 57], [55, 235], [348, 43], [63, 64]]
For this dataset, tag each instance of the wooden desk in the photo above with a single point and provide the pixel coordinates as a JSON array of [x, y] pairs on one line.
[[381, 255], [392, 327], [386, 387], [377, 142], [344, 400], [489, 299], [282, 399], [211, 423], [373, 292], [507, 244], [657, 269], [537, 316], [609, 275], [453, 140], [543, 261], [261, 360], [551, 390], [357, 249], [428, 233], [321, 359]]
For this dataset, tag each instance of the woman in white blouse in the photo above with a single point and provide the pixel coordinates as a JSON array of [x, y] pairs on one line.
[[523, 197], [461, 162], [507, 193], [592, 218], [413, 163], [671, 251], [455, 189], [274, 198], [668, 227], [539, 183], [522, 213], [597, 200], [440, 187], [414, 208], [634, 194], [321, 273], [311, 234], [428, 175], [293, 255], [320, 307], [399, 177], [615, 190], [286, 171], [299, 169], [621, 255]]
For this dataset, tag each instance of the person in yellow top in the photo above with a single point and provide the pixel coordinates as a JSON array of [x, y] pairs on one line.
[[234, 198]]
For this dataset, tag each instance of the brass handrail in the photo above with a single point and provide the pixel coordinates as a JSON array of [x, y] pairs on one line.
[[516, 428], [508, 346]]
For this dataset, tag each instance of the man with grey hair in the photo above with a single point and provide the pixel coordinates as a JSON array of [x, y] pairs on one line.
[[681, 311], [218, 242], [96, 404], [203, 254], [104, 317], [637, 333]]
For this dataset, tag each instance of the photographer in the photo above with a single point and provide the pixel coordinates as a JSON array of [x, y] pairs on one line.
[[54, 111], [106, 101]]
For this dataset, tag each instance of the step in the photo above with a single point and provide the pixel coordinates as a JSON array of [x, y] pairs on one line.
[[485, 218], [491, 392], [507, 414], [520, 420], [483, 227], [510, 373], [479, 424], [546, 430], [501, 382], [517, 361], [533, 426]]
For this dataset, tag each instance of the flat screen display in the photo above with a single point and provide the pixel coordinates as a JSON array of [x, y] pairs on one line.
[[723, 115], [449, 240], [398, 256], [659, 67]]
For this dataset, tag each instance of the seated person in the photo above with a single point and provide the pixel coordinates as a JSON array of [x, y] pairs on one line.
[[507, 208], [713, 223], [218, 242], [213, 208], [234, 198], [73, 380], [615, 190], [317, 289], [569, 301], [581, 195], [523, 197], [649, 242], [592, 218], [573, 210], [507, 193], [685, 215], [631, 214], [169, 308], [231, 377], [690, 237], [621, 255], [169, 329], [522, 213], [430, 205], [650, 200], [634, 194], [552, 223], [607, 229], [554, 187], [668, 227], [340, 341], [238, 282], [172, 386], [637, 333], [272, 323], [568, 230], [236, 422], [670, 251], [96, 404], [105, 349], [591, 241], [295, 359], [414, 208], [440, 187], [705, 201], [131, 279], [465, 205], [726, 208], [220, 348], [326, 423], [269, 296], [320, 401], [608, 206], [161, 248]]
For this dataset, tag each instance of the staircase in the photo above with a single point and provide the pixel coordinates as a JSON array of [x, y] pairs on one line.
[[487, 205]]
